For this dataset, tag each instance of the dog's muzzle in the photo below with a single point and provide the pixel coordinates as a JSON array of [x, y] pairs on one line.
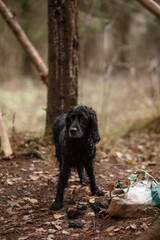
[[74, 132]]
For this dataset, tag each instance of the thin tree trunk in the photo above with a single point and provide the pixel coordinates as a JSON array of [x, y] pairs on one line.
[[25, 42], [5, 144], [63, 58], [124, 27], [152, 6], [25, 9]]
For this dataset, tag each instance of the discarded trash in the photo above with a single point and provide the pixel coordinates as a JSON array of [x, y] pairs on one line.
[[100, 208], [133, 199], [97, 206], [75, 225], [74, 214], [82, 207], [72, 202]]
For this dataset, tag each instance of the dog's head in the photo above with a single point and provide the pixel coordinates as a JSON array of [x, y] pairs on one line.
[[81, 121]]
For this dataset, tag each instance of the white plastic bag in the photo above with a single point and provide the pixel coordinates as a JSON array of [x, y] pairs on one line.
[[142, 192]]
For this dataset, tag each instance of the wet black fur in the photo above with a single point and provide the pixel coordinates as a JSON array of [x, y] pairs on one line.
[[75, 136]]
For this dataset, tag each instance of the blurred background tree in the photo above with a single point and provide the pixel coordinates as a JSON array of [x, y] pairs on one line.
[[119, 55], [103, 27]]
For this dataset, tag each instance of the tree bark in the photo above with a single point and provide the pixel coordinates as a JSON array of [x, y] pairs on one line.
[[152, 6], [25, 42], [63, 59]]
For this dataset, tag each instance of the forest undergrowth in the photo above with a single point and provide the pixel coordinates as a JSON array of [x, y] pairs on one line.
[[28, 185]]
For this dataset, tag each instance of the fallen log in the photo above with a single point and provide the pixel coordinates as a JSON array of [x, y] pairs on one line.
[[25, 42], [5, 144]]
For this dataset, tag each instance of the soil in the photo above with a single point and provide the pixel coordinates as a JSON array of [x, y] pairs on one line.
[[28, 187]]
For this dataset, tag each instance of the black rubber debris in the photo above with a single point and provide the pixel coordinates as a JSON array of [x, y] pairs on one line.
[[74, 214], [99, 206], [75, 225], [103, 205], [72, 202], [95, 208], [82, 207], [65, 217]]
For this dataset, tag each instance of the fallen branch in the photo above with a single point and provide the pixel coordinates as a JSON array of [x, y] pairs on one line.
[[34, 153], [5, 144], [152, 6], [25, 42]]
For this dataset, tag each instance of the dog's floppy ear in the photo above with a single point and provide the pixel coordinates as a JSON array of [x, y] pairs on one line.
[[68, 120], [94, 126]]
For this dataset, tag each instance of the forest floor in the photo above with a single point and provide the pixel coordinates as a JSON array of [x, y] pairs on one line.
[[28, 187]]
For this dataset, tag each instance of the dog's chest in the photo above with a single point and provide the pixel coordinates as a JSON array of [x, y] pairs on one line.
[[79, 154]]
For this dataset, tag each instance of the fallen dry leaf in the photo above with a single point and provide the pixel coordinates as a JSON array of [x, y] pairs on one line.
[[9, 182], [58, 227], [41, 230], [110, 229], [34, 177], [52, 231], [133, 226], [57, 216], [65, 232], [144, 226], [31, 200]]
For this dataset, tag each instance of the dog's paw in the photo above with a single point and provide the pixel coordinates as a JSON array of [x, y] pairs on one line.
[[98, 192], [84, 181], [56, 206]]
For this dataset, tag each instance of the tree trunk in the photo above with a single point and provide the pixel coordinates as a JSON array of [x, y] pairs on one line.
[[124, 27], [63, 59], [29, 48]]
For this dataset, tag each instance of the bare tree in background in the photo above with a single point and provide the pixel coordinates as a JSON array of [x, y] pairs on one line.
[[63, 58]]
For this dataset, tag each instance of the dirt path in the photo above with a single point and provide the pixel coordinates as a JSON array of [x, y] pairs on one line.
[[28, 185]]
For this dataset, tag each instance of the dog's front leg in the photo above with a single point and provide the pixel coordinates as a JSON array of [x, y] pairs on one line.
[[62, 182], [90, 171], [83, 179]]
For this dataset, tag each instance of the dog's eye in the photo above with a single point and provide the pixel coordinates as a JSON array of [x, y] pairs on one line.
[[84, 120], [72, 117]]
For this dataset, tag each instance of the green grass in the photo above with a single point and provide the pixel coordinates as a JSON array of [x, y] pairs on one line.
[[27, 102], [122, 103]]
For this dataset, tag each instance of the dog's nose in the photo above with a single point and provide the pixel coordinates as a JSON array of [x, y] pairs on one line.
[[73, 130]]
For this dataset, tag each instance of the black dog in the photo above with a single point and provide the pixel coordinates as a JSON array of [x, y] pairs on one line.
[[75, 136]]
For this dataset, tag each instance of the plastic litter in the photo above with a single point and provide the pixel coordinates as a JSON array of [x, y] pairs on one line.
[[133, 199]]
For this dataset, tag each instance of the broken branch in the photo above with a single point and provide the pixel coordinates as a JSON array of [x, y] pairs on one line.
[[25, 42], [5, 144], [152, 6]]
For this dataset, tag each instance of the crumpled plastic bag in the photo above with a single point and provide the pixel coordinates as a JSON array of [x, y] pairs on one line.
[[132, 200]]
